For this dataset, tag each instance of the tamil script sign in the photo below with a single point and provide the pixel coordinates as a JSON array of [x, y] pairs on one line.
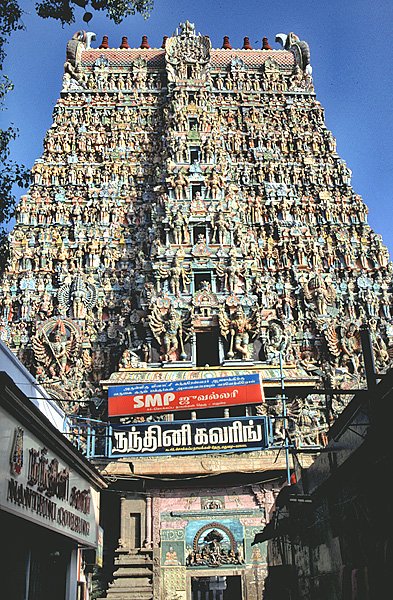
[[189, 437], [187, 394], [37, 485]]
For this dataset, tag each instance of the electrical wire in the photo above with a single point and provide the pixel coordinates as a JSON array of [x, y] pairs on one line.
[[269, 398], [192, 478]]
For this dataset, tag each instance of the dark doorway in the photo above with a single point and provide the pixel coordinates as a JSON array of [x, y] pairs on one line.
[[218, 587], [34, 566], [234, 588], [48, 571], [207, 348], [195, 189], [135, 530], [198, 230], [192, 123], [199, 278], [195, 153]]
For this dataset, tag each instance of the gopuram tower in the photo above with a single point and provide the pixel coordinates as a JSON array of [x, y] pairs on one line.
[[191, 220]]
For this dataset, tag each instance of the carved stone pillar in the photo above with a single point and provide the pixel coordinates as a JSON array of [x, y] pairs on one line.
[[148, 521], [123, 523]]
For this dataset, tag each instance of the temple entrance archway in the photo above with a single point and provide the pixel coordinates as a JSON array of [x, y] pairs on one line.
[[216, 587]]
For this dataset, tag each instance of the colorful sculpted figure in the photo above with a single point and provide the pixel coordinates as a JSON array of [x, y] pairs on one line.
[[171, 329]]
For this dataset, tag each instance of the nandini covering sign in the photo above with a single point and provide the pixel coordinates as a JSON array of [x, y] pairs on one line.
[[189, 437], [170, 396]]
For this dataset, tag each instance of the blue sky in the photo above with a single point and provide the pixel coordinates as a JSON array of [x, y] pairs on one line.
[[351, 56]]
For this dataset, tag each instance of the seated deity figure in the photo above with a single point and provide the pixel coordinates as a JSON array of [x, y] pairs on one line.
[[171, 557]]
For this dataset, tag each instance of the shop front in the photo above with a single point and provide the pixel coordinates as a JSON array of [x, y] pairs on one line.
[[49, 504]]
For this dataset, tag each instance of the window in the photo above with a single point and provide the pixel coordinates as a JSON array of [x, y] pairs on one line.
[[193, 124], [195, 188], [197, 231], [207, 349], [199, 277], [195, 154]]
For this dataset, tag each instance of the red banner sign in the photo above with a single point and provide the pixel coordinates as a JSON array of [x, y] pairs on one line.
[[172, 396]]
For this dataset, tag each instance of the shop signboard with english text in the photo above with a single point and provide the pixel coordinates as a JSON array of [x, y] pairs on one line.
[[35, 484], [190, 394], [190, 437]]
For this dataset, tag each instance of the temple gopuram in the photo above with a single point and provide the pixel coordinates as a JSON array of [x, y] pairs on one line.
[[189, 272]]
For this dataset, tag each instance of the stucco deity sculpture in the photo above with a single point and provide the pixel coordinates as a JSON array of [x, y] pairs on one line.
[[56, 346], [172, 330], [240, 330]]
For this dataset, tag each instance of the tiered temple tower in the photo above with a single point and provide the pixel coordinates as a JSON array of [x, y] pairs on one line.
[[190, 206], [190, 217]]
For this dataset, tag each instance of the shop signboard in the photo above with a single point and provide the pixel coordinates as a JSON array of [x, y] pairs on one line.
[[190, 437], [189, 394], [100, 547], [35, 484]]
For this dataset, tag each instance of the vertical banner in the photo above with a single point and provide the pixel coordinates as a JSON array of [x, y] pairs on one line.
[[100, 547]]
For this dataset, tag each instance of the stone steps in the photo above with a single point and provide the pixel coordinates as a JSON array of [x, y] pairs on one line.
[[124, 561], [132, 576], [130, 571], [136, 593]]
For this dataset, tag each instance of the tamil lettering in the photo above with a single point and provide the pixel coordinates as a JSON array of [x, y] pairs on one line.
[[180, 394], [81, 500], [186, 437], [46, 475]]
